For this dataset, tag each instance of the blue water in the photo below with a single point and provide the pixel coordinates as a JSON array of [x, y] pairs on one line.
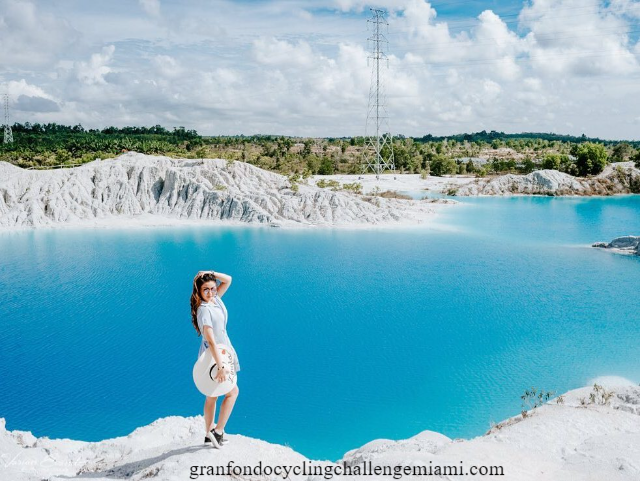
[[343, 336]]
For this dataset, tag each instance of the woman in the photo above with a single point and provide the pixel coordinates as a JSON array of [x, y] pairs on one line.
[[209, 316]]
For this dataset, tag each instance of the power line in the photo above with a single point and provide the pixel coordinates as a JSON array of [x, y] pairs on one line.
[[516, 20], [439, 46], [493, 60], [462, 24], [378, 151]]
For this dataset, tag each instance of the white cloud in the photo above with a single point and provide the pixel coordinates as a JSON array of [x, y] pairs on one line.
[[25, 97], [272, 67], [427, 37], [167, 66], [577, 37], [532, 84], [30, 38], [152, 7], [21, 87], [94, 71], [270, 51], [360, 5], [626, 7], [491, 90]]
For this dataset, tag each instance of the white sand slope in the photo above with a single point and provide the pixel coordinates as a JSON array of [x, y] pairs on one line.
[[557, 442], [150, 190]]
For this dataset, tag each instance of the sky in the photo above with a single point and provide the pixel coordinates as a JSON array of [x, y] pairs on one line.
[[301, 68]]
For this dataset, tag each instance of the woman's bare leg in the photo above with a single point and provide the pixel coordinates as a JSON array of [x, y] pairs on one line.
[[209, 413], [226, 407]]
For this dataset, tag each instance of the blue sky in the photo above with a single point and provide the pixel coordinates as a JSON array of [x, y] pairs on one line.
[[299, 67]]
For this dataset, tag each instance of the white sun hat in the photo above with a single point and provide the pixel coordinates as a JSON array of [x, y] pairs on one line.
[[205, 370]]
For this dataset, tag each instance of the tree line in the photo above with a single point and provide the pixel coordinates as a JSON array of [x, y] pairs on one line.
[[479, 154]]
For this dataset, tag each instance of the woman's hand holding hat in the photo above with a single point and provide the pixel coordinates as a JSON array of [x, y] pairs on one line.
[[221, 375]]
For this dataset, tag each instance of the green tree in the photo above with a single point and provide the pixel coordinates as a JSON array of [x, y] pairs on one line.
[[441, 165], [401, 157], [306, 150], [313, 164], [326, 166], [62, 156], [471, 168], [568, 165], [591, 158], [621, 152], [528, 166], [552, 161]]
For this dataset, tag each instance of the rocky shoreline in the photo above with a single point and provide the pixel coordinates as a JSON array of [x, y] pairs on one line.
[[591, 433], [624, 245], [163, 190], [142, 190], [618, 178]]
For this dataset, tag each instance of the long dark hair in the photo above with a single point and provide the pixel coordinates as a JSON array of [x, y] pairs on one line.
[[196, 300]]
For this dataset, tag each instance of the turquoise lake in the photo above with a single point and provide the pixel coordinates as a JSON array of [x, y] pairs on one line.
[[343, 336]]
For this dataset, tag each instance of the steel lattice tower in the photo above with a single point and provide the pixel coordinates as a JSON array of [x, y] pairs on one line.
[[8, 135], [378, 147]]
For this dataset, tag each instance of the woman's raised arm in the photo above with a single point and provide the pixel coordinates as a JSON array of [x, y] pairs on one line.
[[225, 282]]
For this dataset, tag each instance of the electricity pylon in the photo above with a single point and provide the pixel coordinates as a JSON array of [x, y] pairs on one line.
[[378, 146], [8, 135]]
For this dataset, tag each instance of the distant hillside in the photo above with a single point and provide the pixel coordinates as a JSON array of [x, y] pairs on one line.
[[46, 146], [485, 136]]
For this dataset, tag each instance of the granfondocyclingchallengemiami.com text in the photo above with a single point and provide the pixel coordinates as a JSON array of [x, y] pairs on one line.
[[329, 471]]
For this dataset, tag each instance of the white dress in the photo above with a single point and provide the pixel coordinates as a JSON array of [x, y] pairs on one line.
[[214, 314]]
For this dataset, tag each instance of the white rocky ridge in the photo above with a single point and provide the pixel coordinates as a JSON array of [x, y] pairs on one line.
[[629, 244], [156, 190], [586, 438], [618, 178]]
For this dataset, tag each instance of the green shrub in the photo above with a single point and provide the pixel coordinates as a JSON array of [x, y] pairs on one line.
[[322, 183], [389, 194], [355, 187]]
